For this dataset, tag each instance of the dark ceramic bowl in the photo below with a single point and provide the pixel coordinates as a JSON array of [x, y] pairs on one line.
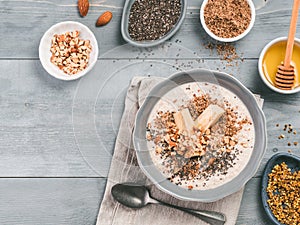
[[125, 22], [292, 161]]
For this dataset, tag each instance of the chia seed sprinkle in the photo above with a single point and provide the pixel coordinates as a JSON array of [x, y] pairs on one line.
[[153, 19]]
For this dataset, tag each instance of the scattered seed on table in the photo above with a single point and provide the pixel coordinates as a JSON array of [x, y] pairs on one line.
[[281, 136]]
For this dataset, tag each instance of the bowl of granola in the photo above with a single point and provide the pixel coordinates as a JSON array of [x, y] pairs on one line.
[[68, 50], [200, 135], [280, 189], [227, 21]]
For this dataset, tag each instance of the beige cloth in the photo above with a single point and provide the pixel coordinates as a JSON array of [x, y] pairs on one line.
[[124, 168]]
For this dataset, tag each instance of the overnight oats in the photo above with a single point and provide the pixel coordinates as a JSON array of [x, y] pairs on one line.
[[200, 135]]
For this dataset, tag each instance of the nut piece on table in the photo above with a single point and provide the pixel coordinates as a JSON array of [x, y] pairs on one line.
[[104, 19], [83, 7]]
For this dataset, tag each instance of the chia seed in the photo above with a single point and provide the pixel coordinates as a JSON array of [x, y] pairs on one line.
[[153, 19]]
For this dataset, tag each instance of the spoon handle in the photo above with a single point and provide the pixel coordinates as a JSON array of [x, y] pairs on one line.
[[211, 217]]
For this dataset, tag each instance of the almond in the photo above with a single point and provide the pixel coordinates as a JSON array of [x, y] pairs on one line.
[[83, 6], [104, 18]]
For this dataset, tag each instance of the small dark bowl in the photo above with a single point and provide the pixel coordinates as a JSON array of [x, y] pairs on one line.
[[292, 161], [150, 43]]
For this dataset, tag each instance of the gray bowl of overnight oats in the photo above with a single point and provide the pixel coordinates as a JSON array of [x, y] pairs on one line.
[[200, 135]]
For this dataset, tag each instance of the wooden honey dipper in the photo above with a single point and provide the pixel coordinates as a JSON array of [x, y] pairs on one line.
[[285, 76]]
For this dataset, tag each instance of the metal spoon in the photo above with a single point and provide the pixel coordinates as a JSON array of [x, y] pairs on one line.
[[137, 196]]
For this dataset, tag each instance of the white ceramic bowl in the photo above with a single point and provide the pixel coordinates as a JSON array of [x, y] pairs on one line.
[[260, 66], [61, 28], [211, 34]]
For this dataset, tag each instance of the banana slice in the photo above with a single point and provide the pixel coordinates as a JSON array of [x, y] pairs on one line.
[[209, 117], [188, 120], [184, 120], [179, 121], [206, 120]]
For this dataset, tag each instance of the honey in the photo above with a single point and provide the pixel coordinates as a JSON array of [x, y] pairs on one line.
[[274, 56]]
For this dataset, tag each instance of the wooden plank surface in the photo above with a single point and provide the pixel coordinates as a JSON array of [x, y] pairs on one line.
[[24, 22], [75, 201], [47, 127], [45, 124], [50, 201]]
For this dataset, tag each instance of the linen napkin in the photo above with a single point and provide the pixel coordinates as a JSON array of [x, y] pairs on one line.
[[124, 168]]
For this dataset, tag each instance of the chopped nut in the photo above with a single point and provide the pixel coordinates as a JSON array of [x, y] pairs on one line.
[[211, 161], [232, 143], [148, 137], [67, 54], [245, 145], [190, 187], [172, 144], [158, 150]]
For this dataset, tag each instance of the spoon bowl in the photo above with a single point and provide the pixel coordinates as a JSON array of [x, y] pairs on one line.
[[130, 195], [137, 196]]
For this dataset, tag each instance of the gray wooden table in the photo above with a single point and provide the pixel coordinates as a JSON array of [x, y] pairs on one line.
[[57, 138]]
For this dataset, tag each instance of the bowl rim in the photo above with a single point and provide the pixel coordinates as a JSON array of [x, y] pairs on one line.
[[260, 63], [203, 195], [211, 34], [124, 25], [79, 74]]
